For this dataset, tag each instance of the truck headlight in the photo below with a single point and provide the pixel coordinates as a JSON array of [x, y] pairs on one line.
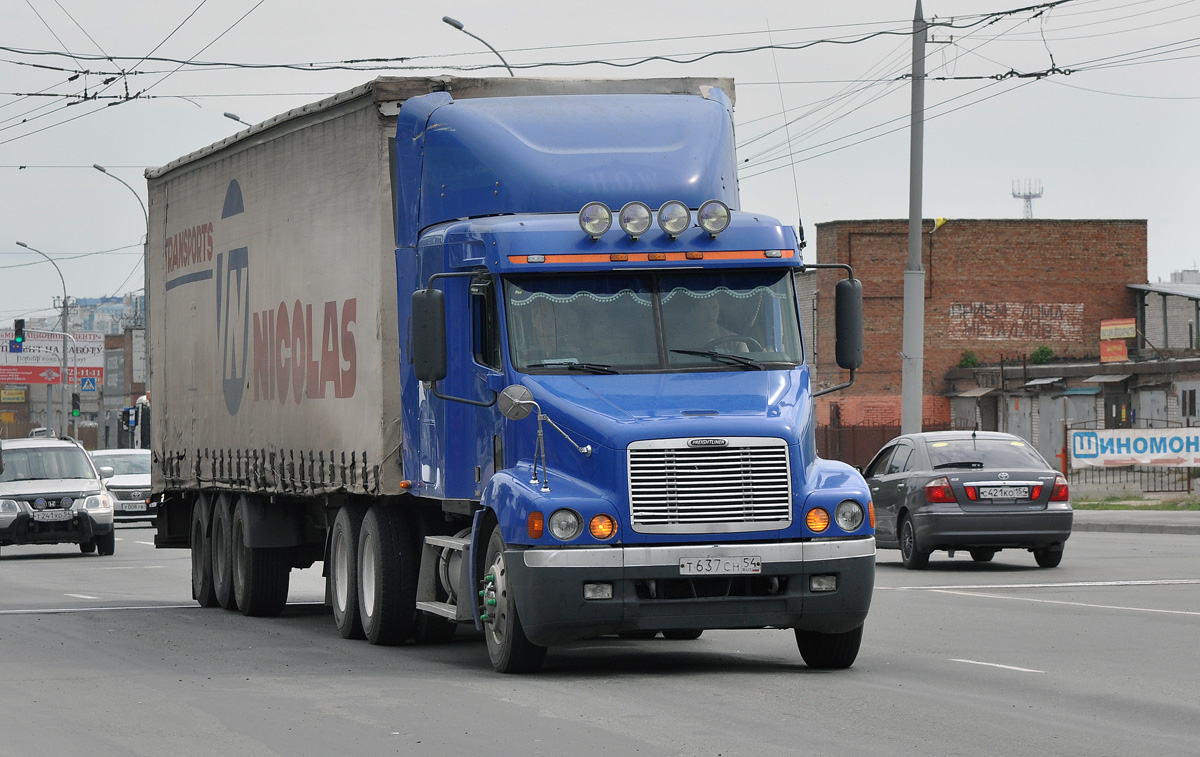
[[634, 219], [713, 217], [673, 218], [849, 515], [595, 218], [565, 525]]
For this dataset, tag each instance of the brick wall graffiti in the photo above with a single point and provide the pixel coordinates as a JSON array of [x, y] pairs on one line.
[[1015, 321]]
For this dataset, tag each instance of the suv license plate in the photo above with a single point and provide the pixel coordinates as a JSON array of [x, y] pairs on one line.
[[1004, 492], [720, 566], [51, 515]]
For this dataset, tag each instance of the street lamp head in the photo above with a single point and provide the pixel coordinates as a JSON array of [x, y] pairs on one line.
[[453, 22], [22, 244], [99, 168], [234, 116]]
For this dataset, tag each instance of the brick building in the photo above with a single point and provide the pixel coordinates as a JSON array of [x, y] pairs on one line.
[[997, 288]]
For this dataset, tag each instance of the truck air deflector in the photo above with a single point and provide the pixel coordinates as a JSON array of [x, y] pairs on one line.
[[495, 156]]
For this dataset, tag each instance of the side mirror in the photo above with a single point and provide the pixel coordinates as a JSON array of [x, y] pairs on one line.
[[849, 324], [106, 472], [429, 334], [515, 402]]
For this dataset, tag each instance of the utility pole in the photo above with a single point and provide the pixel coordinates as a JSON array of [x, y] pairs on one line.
[[912, 388], [1029, 191]]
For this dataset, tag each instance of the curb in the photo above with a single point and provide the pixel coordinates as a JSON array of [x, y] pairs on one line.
[[1137, 528]]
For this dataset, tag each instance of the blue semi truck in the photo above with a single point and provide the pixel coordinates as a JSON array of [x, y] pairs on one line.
[[504, 355]]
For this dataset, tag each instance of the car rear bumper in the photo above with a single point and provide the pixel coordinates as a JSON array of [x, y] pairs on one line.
[[649, 593], [23, 529], [1024, 530]]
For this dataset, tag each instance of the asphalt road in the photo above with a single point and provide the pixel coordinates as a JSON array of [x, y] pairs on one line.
[[1097, 657]]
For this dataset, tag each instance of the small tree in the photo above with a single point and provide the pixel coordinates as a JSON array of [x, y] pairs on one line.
[[968, 359], [1042, 355]]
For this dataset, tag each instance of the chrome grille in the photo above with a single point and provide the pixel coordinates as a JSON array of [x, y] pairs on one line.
[[744, 485]]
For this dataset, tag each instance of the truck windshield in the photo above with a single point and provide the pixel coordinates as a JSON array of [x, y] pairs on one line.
[[653, 322]]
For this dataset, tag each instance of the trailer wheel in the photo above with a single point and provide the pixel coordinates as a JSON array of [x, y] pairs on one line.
[[260, 574], [829, 651], [222, 554], [508, 647], [202, 574], [343, 571], [387, 576]]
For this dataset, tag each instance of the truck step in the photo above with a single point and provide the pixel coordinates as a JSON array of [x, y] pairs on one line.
[[447, 541], [445, 609]]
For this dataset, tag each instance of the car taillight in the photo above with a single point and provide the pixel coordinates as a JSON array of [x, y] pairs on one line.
[[1060, 492], [972, 493], [938, 490]]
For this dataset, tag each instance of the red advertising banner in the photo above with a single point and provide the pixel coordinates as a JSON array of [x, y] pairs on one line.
[[1113, 351]]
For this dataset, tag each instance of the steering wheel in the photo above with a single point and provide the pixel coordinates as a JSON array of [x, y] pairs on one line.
[[749, 341]]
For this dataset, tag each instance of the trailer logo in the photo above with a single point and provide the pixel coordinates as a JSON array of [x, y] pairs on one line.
[[233, 309], [707, 442]]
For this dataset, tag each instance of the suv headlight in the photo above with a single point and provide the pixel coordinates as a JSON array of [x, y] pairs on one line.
[[9, 506], [98, 502]]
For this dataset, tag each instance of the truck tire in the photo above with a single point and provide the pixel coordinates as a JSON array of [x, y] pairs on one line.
[[106, 544], [508, 647], [202, 574], [829, 651], [343, 571], [260, 574], [221, 539], [387, 576]]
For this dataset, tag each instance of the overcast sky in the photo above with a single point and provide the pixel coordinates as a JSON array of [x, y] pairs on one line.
[[1110, 132]]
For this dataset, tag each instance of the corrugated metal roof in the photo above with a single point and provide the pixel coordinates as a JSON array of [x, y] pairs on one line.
[[1190, 291], [1043, 381], [1106, 378], [978, 391]]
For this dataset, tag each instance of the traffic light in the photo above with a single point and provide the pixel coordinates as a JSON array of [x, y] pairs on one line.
[[74, 404], [19, 331]]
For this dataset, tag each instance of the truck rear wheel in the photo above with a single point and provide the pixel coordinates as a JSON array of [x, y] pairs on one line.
[[508, 647], [202, 574], [222, 554], [829, 651], [343, 571], [387, 576], [260, 574]]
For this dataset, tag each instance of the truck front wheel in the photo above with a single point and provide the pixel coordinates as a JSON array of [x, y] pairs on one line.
[[387, 576], [829, 651], [343, 571], [508, 647], [260, 574]]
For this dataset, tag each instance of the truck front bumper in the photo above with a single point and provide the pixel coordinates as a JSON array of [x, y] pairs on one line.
[[823, 586]]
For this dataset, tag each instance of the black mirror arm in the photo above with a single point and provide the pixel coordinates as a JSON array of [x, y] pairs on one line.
[[464, 400], [837, 388]]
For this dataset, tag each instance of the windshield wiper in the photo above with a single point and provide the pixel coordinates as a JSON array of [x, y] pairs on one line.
[[960, 464], [574, 365], [728, 359]]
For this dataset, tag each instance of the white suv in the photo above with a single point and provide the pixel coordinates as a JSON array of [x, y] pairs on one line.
[[50, 493]]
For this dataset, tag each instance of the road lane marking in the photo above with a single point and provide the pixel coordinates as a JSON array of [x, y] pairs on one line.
[[66, 610], [81, 596], [147, 543], [997, 665], [1063, 585], [133, 567], [1073, 604]]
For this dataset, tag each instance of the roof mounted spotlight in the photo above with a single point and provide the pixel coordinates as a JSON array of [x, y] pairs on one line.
[[634, 219], [713, 217], [595, 218], [674, 218]]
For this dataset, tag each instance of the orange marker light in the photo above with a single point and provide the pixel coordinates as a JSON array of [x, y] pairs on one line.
[[871, 512], [618, 257], [694, 255], [656, 256], [817, 519], [602, 527], [535, 524]]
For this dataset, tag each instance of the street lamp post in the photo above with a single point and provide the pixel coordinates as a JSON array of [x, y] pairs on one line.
[[145, 263], [458, 25], [65, 329]]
